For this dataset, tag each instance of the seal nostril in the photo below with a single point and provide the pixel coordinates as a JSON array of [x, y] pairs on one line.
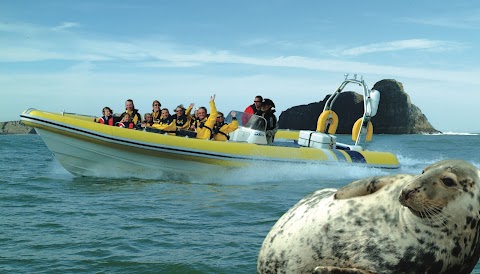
[[405, 194]]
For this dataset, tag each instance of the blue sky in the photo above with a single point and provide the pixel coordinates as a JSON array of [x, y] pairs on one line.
[[80, 56]]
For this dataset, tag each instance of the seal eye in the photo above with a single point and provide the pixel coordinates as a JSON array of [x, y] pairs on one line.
[[448, 182]]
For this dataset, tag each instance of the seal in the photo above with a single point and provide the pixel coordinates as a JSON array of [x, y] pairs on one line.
[[404, 223]]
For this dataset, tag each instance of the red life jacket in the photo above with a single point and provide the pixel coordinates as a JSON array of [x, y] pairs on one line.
[[129, 125], [109, 120]]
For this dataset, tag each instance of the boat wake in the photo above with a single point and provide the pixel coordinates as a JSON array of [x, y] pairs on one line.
[[455, 134], [274, 173]]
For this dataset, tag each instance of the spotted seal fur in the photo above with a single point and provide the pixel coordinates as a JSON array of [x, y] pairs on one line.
[[426, 223]]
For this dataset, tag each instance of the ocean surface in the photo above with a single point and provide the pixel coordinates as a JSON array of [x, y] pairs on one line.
[[52, 222]]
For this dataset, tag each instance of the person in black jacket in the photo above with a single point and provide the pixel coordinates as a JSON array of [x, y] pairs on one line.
[[130, 109], [272, 125]]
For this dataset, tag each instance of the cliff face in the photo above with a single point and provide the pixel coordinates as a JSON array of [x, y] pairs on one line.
[[396, 114], [15, 127]]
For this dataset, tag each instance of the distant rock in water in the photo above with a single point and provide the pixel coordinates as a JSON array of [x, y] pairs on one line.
[[15, 127], [396, 114]]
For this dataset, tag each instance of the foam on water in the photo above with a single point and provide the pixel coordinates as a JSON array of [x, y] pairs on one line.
[[414, 165], [57, 171], [455, 133], [280, 172]]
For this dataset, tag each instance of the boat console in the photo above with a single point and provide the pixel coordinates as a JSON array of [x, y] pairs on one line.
[[251, 128]]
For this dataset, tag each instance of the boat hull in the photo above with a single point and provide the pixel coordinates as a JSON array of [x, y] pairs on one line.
[[86, 148], [90, 157]]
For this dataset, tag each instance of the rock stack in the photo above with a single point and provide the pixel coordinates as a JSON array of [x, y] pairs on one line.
[[396, 114]]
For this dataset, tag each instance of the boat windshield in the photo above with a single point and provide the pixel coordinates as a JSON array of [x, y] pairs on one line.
[[248, 120]]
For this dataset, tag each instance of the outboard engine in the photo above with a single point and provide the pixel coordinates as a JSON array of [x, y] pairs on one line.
[[248, 135]]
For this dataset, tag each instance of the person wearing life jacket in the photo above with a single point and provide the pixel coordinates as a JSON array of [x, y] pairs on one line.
[[166, 123], [204, 123], [222, 129], [132, 111], [182, 117], [255, 108], [148, 120], [107, 118], [268, 114], [156, 111], [126, 122]]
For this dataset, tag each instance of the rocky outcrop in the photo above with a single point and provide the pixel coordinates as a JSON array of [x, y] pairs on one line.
[[396, 114], [15, 127]]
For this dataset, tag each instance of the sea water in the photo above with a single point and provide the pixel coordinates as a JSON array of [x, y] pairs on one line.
[[51, 221]]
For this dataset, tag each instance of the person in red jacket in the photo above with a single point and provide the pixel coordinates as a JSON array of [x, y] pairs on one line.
[[126, 122], [107, 118], [255, 108]]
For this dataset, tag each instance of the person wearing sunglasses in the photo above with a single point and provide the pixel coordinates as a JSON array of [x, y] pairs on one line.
[[221, 129], [256, 107], [182, 117], [253, 109]]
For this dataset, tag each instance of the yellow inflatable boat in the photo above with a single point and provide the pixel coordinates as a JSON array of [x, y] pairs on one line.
[[87, 148]]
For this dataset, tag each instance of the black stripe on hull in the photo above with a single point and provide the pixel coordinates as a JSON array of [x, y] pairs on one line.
[[356, 156]]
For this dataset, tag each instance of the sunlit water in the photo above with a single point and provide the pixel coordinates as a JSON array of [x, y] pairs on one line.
[[51, 221]]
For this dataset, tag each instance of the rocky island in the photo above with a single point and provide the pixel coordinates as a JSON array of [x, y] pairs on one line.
[[15, 127], [396, 114]]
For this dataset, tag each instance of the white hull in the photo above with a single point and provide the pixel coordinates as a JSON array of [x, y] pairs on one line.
[[86, 158]]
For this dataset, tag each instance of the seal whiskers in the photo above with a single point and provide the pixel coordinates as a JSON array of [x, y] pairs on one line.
[[435, 214]]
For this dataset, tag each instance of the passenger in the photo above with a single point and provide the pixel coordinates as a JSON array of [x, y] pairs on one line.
[[182, 117], [156, 111], [222, 129], [268, 114], [255, 108], [148, 120], [195, 116], [132, 111], [126, 122], [166, 123], [166, 118], [204, 123], [107, 118]]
